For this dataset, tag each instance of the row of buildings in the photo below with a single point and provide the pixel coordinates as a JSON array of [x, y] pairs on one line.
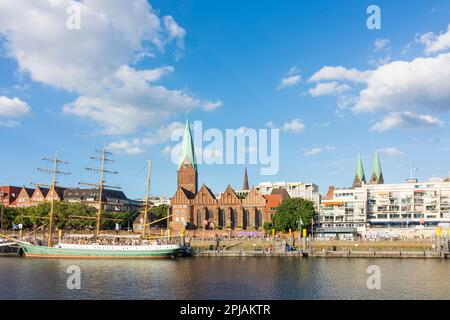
[[364, 205], [112, 200]]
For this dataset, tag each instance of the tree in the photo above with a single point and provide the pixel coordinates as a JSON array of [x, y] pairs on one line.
[[267, 226], [290, 211]]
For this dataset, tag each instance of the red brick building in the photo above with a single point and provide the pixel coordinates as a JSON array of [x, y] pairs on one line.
[[8, 195], [273, 201], [192, 208], [24, 198]]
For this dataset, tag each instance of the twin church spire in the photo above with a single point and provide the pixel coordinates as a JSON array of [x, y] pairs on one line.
[[377, 173]]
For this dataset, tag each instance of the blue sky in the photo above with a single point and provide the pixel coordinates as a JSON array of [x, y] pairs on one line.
[[129, 81]]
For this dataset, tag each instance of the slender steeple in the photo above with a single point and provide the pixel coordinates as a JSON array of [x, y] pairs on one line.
[[360, 177], [245, 187], [377, 173], [187, 166], [187, 148]]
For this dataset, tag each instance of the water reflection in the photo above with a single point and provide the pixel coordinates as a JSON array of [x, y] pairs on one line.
[[225, 278]]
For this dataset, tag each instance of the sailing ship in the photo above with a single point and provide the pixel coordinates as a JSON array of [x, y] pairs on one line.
[[104, 246]]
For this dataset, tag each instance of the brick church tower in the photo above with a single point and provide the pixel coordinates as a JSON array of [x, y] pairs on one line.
[[187, 167]]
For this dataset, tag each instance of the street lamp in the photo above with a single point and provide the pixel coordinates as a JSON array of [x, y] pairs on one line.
[[300, 225]]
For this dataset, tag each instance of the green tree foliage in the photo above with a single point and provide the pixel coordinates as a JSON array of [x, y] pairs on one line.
[[159, 212], [290, 211], [69, 216], [267, 226]]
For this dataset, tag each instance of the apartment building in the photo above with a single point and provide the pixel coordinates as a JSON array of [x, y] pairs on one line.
[[376, 204], [307, 191]]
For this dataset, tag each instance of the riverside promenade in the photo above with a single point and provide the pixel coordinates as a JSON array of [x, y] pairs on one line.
[[279, 247]]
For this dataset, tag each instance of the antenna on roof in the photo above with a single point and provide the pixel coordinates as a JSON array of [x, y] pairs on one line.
[[102, 157], [55, 161]]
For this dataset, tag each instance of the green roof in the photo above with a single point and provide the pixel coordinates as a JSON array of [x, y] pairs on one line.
[[187, 148], [360, 169], [377, 166]]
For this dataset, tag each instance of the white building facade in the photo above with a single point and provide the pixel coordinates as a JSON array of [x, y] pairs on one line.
[[307, 191], [400, 205]]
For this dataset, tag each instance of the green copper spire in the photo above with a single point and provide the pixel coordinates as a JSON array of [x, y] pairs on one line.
[[360, 169], [360, 177], [187, 148], [377, 166]]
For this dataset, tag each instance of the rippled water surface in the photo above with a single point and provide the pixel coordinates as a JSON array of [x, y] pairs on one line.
[[225, 278]]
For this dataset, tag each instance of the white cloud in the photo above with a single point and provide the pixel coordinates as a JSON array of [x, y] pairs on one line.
[[403, 85], [289, 81], [406, 120], [339, 73], [137, 145], [295, 126], [435, 43], [126, 147], [133, 102], [411, 92], [94, 61], [210, 106], [175, 31], [316, 150], [381, 44], [13, 108], [327, 88], [391, 152], [292, 78]]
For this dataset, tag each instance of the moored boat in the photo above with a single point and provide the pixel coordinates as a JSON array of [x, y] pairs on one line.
[[68, 250]]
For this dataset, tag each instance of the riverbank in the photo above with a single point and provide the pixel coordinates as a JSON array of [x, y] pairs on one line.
[[325, 254]]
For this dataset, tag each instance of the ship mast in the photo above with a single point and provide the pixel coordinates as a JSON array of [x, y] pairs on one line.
[[144, 228], [103, 153], [54, 172]]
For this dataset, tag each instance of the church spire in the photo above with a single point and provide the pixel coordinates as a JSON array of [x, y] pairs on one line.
[[187, 147], [359, 175], [377, 174], [245, 187]]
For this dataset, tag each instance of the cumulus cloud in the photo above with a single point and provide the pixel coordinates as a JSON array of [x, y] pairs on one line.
[[94, 62], [435, 43], [327, 88], [13, 107], [138, 145], [410, 93], [317, 150], [391, 152], [294, 126], [406, 120], [408, 85]]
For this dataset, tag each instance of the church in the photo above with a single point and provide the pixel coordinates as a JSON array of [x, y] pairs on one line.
[[194, 208]]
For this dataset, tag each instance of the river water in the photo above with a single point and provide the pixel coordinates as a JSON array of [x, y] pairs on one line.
[[225, 278]]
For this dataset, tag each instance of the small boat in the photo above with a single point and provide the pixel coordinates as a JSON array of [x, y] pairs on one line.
[[84, 251]]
